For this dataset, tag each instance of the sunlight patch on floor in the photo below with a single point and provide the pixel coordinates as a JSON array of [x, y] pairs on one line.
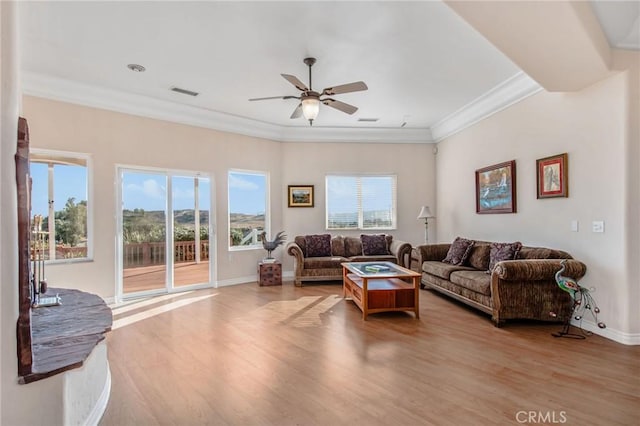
[[303, 312], [141, 303], [132, 319]]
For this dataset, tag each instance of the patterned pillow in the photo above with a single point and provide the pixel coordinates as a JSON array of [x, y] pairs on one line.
[[318, 245], [503, 251], [459, 251], [373, 245]]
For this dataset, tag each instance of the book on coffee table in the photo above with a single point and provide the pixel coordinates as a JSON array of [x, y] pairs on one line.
[[376, 268]]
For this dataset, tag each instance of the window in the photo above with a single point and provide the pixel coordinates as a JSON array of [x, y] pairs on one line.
[[60, 191], [248, 200], [361, 202]]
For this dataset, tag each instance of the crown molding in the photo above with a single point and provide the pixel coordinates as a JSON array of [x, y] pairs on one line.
[[500, 97], [507, 93], [43, 86]]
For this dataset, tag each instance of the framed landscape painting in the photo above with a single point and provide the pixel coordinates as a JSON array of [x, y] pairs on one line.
[[496, 188], [552, 176], [300, 195]]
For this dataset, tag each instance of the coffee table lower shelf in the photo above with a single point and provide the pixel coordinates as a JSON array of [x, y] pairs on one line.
[[382, 294]]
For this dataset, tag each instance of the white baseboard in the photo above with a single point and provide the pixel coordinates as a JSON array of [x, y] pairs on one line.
[[288, 275], [609, 333]]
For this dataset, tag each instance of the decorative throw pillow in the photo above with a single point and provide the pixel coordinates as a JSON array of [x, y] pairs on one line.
[[318, 245], [503, 251], [479, 256], [459, 250], [373, 245]]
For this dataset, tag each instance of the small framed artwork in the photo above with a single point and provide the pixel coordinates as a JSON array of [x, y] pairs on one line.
[[300, 195], [552, 176], [496, 188]]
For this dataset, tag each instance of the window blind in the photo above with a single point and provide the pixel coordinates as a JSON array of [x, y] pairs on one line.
[[361, 202]]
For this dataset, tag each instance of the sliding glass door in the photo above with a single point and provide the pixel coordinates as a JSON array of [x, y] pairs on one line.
[[165, 223], [190, 230]]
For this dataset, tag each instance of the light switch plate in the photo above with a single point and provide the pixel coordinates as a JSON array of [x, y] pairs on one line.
[[574, 225], [598, 226]]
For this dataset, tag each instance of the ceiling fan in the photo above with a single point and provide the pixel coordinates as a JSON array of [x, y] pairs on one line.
[[310, 100]]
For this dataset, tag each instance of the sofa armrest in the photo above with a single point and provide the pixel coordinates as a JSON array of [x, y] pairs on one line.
[[537, 269], [296, 251], [430, 252], [402, 251]]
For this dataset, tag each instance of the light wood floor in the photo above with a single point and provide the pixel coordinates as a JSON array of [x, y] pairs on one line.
[[250, 355]]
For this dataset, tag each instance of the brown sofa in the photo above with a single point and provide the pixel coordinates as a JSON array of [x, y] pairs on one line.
[[343, 249], [524, 288]]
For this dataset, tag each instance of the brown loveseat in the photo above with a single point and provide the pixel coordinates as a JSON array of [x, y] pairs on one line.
[[320, 257], [522, 288]]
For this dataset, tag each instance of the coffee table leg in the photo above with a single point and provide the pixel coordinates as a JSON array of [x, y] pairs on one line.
[[416, 301]]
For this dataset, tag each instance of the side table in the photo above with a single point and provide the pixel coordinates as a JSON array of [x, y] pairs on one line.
[[269, 273]]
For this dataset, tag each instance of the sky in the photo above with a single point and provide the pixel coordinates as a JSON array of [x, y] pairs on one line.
[[247, 191], [70, 181], [148, 191], [140, 190]]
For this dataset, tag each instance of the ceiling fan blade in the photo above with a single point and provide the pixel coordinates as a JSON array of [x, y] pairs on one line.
[[294, 80], [297, 112], [275, 97], [341, 106], [345, 88]]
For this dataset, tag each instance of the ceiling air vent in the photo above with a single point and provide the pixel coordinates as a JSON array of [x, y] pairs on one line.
[[368, 120], [184, 91]]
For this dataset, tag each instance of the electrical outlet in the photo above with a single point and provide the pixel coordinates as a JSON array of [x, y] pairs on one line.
[[598, 226]]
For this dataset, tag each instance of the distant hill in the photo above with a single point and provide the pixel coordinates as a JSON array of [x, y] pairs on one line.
[[186, 218], [182, 217]]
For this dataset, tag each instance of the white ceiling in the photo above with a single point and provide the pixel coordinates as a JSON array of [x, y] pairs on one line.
[[420, 60]]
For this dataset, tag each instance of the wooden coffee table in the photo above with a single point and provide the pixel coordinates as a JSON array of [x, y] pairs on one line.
[[381, 287]]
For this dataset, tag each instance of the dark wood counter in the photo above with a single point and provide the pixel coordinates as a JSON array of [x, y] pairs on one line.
[[62, 337]]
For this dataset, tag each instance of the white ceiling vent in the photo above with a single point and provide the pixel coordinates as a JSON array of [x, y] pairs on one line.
[[184, 91], [368, 120]]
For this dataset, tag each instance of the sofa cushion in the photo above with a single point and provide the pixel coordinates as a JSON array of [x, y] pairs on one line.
[[441, 269], [476, 281], [325, 262], [479, 256], [542, 253], [459, 251], [337, 246], [503, 251], [352, 246], [373, 245], [318, 245]]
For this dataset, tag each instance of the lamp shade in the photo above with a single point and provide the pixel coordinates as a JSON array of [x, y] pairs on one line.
[[425, 213], [310, 108]]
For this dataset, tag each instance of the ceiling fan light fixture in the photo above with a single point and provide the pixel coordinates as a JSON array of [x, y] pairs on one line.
[[310, 108]]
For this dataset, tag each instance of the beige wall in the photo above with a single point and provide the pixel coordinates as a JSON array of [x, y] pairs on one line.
[[118, 139], [113, 138], [591, 126], [309, 163]]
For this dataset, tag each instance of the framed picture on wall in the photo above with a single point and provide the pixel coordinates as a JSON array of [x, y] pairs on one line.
[[300, 196], [496, 188], [552, 176]]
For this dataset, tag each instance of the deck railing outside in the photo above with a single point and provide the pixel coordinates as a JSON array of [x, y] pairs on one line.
[[147, 254]]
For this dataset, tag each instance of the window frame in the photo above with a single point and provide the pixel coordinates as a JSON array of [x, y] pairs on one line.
[[38, 155], [360, 225], [267, 208]]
